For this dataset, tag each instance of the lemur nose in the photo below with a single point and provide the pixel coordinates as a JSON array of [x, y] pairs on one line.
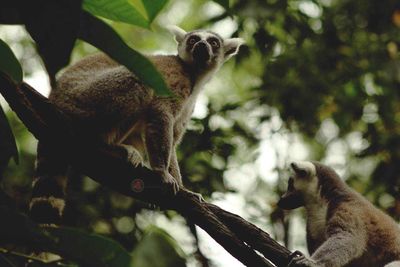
[[201, 44], [201, 51], [294, 165]]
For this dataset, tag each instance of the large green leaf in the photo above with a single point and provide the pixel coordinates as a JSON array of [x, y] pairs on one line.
[[90, 249], [18, 229], [101, 35], [118, 10], [72, 244], [153, 7], [11, 67], [8, 147], [9, 63], [224, 3], [53, 25], [158, 249]]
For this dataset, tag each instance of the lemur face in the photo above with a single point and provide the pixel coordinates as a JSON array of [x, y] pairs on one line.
[[203, 48], [302, 184]]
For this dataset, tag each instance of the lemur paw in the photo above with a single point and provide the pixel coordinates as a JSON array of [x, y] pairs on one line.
[[299, 260], [199, 196], [133, 156]]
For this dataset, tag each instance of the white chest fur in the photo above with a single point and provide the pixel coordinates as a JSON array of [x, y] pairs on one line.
[[316, 220], [188, 107]]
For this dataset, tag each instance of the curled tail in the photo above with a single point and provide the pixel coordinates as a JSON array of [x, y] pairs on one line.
[[49, 186]]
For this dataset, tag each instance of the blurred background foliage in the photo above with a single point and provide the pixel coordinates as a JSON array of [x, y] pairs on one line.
[[317, 80]]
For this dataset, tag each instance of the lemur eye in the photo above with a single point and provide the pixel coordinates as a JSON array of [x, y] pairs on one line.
[[302, 173], [192, 40], [213, 42]]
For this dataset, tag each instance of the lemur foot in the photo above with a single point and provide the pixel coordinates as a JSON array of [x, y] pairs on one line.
[[199, 196], [133, 156], [170, 182]]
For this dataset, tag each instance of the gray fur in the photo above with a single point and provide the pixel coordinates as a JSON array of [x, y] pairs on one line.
[[110, 104], [355, 233]]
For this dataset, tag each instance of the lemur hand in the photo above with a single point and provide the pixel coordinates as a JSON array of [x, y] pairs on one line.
[[299, 260], [132, 155]]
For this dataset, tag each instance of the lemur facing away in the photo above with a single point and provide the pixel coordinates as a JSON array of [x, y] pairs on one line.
[[109, 103], [343, 228]]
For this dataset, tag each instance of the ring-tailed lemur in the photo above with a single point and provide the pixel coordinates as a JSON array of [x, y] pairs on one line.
[[343, 228], [109, 103]]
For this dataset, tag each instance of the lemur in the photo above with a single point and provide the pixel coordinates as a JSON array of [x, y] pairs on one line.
[[107, 102], [343, 228]]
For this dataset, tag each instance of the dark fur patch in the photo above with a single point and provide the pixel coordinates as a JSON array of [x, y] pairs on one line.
[[189, 45]]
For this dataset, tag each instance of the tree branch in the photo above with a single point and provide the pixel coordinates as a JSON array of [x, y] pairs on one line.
[[239, 237]]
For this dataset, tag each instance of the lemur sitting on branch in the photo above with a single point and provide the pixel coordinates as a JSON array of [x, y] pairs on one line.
[[343, 228], [107, 102]]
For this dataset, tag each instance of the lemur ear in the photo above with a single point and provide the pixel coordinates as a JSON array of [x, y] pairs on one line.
[[231, 47], [301, 171], [178, 32]]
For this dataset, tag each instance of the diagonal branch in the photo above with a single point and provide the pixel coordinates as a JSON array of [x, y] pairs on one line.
[[239, 237], [253, 236]]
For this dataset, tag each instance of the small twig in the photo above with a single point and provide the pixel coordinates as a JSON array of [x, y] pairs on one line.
[[20, 255]]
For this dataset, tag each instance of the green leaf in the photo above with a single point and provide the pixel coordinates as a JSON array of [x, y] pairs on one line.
[[158, 249], [9, 63], [72, 244], [90, 249], [53, 25], [20, 259], [17, 228], [118, 10], [224, 3], [101, 35], [153, 7], [8, 147]]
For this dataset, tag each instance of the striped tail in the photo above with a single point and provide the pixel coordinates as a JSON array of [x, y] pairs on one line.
[[49, 186]]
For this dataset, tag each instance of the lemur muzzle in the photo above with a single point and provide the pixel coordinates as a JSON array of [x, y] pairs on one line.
[[201, 51]]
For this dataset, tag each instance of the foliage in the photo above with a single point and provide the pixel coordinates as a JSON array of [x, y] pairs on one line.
[[120, 10], [55, 25], [74, 244], [157, 243], [339, 63], [82, 248], [9, 63], [8, 147], [320, 75]]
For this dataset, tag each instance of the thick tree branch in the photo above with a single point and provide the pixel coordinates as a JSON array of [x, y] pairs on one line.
[[253, 236], [239, 237]]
